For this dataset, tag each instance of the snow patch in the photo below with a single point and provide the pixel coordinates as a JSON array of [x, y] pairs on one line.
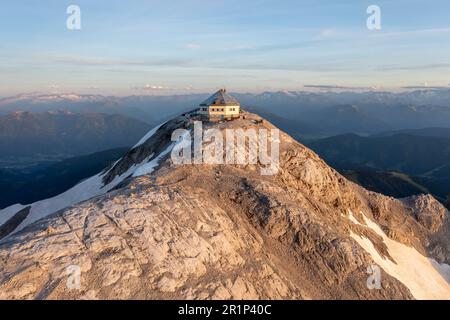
[[423, 276], [352, 218], [88, 189], [9, 212], [148, 135], [150, 166]]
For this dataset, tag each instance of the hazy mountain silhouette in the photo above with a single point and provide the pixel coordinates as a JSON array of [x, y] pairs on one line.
[[64, 134]]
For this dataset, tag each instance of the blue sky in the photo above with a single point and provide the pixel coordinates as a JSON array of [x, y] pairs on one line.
[[165, 47]]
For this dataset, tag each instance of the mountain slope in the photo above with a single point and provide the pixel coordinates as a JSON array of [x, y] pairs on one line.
[[394, 184], [424, 132], [423, 155], [156, 230]]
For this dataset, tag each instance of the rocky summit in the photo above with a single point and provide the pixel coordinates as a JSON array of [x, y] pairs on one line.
[[147, 228]]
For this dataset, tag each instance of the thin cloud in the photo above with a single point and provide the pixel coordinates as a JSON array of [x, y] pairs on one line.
[[426, 87], [412, 33], [280, 67], [151, 87], [98, 61], [336, 87], [416, 67], [193, 46], [326, 33]]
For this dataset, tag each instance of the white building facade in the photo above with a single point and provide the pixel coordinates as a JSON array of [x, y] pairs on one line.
[[220, 106]]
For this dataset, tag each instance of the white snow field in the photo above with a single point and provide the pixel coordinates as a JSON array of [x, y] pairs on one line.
[[424, 277], [85, 190], [148, 135]]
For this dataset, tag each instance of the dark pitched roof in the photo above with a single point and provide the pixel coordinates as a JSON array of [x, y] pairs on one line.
[[220, 98]]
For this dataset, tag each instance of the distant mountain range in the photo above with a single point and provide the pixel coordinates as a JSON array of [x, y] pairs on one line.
[[25, 135], [418, 155], [308, 114], [394, 184], [149, 109], [332, 113]]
